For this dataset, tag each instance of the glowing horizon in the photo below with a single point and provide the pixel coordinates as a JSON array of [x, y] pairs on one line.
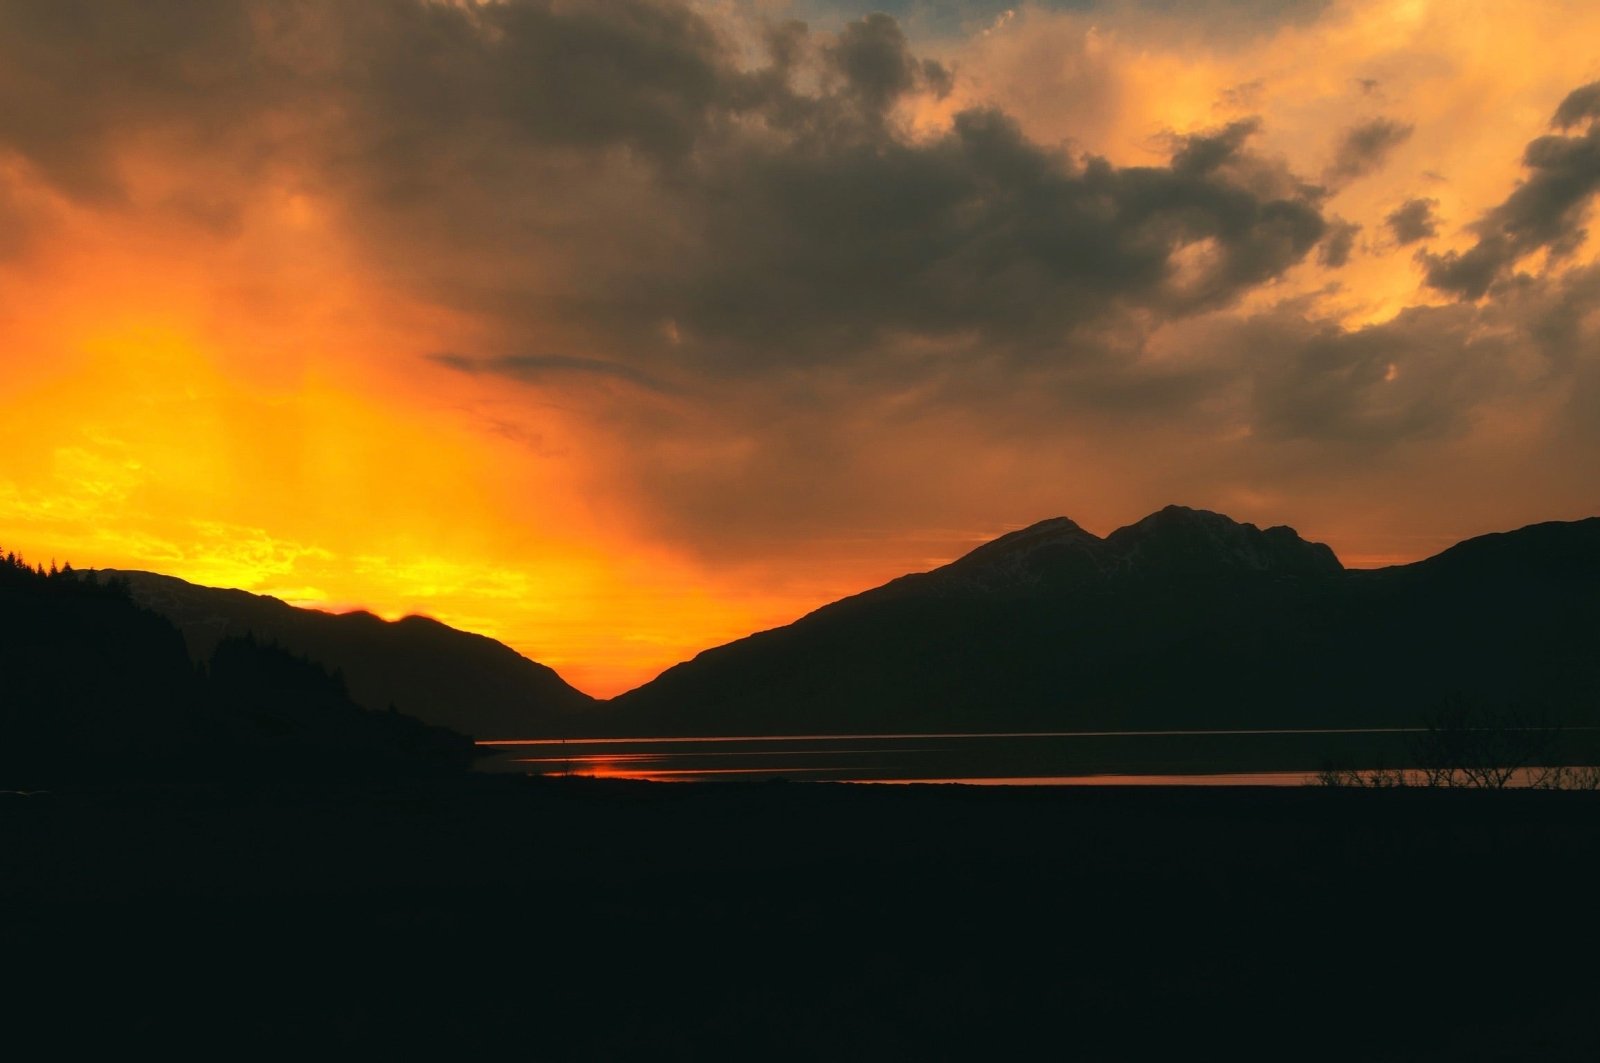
[[603, 679]]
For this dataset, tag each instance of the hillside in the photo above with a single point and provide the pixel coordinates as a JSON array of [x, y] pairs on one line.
[[1183, 619], [96, 689], [419, 666]]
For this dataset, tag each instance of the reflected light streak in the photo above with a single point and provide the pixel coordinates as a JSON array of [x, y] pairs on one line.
[[756, 739]]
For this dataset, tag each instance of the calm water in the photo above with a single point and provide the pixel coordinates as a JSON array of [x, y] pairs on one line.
[[1234, 757]]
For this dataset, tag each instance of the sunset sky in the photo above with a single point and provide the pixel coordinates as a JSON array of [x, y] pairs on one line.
[[616, 329]]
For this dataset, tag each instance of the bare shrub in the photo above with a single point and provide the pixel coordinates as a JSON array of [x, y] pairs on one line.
[[1467, 746]]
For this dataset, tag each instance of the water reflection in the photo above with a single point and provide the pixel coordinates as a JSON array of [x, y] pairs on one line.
[[1096, 758]]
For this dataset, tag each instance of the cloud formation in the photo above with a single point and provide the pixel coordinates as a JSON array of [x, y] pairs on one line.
[[1366, 147], [1335, 249], [1545, 212], [1412, 221]]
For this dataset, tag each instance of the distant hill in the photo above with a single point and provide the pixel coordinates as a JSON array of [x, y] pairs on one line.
[[423, 668], [1183, 619], [94, 688]]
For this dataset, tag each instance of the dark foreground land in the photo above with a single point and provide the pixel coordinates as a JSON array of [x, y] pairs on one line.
[[572, 918]]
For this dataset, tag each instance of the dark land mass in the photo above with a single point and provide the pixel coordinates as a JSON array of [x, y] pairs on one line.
[[469, 683], [94, 687], [239, 857], [1186, 619], [583, 919]]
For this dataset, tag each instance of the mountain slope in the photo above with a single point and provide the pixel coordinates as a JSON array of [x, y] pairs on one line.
[[96, 689], [1183, 619], [423, 668]]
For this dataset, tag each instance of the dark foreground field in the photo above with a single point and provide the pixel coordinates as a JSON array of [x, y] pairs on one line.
[[585, 919]]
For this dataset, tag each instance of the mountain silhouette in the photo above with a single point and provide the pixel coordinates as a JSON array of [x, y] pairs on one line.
[[93, 687], [1184, 619], [469, 683]]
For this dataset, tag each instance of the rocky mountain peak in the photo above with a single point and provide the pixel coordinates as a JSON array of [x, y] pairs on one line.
[[1180, 539], [1049, 551]]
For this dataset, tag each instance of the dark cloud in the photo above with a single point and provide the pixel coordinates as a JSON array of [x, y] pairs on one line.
[[877, 67], [773, 215], [1207, 153], [1581, 105], [648, 75], [1365, 148], [826, 243], [1413, 220], [1544, 213], [1335, 249]]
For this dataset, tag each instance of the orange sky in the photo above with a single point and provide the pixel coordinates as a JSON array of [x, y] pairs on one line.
[[222, 350]]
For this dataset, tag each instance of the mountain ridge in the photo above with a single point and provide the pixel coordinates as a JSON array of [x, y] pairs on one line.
[[420, 665], [93, 686], [1050, 625], [1046, 625]]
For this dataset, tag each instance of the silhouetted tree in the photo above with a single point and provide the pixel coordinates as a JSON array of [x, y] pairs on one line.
[[1467, 745]]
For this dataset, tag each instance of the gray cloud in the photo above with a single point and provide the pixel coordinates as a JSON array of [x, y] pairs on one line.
[[825, 243], [1335, 249], [873, 58], [1545, 212], [1365, 148], [1413, 220], [1581, 104]]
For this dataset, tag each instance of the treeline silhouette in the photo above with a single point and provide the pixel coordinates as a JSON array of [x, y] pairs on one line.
[[95, 688]]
